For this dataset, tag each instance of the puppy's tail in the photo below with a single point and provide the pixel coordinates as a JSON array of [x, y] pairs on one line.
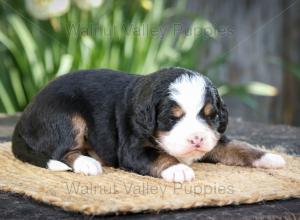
[[25, 153]]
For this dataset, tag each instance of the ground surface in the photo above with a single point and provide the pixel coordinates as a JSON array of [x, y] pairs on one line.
[[18, 207]]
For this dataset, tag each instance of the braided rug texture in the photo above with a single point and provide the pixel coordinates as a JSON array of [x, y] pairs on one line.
[[117, 191]]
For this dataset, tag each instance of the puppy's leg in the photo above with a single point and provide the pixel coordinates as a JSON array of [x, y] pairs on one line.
[[171, 170], [239, 153], [150, 161], [83, 164], [75, 157]]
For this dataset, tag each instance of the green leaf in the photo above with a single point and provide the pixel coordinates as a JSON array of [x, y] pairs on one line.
[[295, 70], [49, 62], [65, 64], [261, 89], [30, 48], [7, 42], [16, 83], [87, 46], [6, 100]]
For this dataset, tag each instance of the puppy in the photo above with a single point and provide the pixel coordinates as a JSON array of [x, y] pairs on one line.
[[154, 125]]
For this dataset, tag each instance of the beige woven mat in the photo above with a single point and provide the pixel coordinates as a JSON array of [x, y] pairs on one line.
[[118, 191]]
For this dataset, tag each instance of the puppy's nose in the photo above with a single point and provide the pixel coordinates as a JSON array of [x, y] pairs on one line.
[[195, 141]]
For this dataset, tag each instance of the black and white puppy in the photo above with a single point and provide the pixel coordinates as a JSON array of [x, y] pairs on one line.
[[155, 125]]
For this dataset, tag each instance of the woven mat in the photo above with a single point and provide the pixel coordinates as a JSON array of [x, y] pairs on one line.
[[118, 191]]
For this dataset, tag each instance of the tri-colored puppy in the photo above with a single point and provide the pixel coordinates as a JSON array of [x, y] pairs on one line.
[[153, 125]]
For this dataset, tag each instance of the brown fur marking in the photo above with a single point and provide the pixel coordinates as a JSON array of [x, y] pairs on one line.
[[161, 163], [177, 111], [236, 153], [80, 146], [208, 109], [80, 130], [159, 134]]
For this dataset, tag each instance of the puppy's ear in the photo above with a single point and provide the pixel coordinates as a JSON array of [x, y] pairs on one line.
[[144, 119], [144, 110], [223, 115]]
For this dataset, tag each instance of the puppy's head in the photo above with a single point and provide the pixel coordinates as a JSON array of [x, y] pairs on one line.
[[185, 114]]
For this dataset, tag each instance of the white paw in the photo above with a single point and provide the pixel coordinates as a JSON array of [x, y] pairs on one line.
[[56, 165], [87, 166], [178, 173], [270, 160]]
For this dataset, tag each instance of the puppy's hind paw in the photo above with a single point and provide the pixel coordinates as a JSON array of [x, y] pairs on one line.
[[178, 173], [87, 166], [271, 161]]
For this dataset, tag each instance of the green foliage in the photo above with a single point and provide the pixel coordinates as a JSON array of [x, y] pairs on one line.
[[244, 91], [138, 36], [117, 35], [295, 70], [290, 67]]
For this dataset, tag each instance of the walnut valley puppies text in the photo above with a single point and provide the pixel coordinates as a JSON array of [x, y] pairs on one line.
[[146, 188]]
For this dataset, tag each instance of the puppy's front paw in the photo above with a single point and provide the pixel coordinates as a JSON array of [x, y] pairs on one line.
[[178, 173], [87, 166], [270, 160]]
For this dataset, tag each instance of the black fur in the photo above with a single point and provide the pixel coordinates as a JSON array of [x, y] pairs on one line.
[[219, 118], [122, 113]]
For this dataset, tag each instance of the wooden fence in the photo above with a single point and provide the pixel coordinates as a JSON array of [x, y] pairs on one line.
[[255, 34]]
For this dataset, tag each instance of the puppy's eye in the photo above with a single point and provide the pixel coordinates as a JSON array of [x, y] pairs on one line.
[[174, 119], [213, 115]]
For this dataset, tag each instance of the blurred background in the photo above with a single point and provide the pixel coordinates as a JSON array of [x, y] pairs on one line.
[[250, 49]]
